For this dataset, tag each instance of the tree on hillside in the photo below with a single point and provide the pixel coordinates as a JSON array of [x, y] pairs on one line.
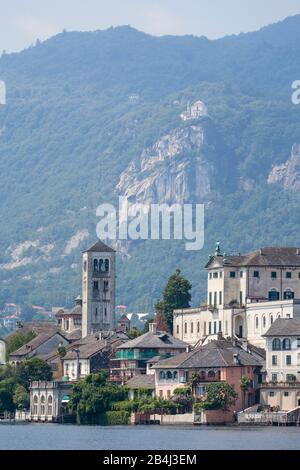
[[176, 295]]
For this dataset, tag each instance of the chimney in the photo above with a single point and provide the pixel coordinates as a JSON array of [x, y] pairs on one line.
[[153, 328], [236, 359]]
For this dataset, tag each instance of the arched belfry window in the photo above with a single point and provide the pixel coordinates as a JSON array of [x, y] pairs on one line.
[[95, 265], [101, 265]]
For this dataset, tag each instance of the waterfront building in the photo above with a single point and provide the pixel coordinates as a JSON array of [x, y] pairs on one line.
[[245, 294], [282, 387], [98, 289], [139, 382], [48, 400], [132, 356], [218, 361]]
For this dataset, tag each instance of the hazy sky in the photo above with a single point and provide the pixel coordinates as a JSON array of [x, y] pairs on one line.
[[23, 21]]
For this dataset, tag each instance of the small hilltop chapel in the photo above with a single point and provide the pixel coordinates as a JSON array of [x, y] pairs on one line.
[[245, 295]]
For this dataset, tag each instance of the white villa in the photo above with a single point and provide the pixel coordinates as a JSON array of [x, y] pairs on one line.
[[245, 295]]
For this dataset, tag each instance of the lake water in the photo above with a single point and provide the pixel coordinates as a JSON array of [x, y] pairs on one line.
[[69, 437]]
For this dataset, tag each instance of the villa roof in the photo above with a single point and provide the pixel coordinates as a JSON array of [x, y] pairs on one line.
[[284, 327], [100, 247], [35, 343], [160, 339], [220, 353], [142, 381], [86, 350], [268, 256]]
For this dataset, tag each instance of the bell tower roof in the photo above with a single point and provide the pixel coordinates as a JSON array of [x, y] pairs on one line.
[[99, 247]]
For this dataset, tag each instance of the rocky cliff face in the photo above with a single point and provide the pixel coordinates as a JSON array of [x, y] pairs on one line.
[[179, 167], [288, 173]]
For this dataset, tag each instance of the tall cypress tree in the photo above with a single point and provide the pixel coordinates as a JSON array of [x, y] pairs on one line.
[[176, 295]]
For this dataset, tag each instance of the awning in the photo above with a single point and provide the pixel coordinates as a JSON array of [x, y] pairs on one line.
[[65, 399]]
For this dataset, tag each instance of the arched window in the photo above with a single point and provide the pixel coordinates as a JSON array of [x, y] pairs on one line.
[[286, 344], [106, 265], [185, 328], [202, 375], [84, 266], [276, 344], [289, 294], [43, 401], [101, 265], [192, 328], [211, 374], [35, 405], [198, 327], [50, 408], [273, 295], [162, 375], [95, 265], [169, 375], [271, 319], [175, 374], [177, 329], [204, 328], [256, 322], [264, 322]]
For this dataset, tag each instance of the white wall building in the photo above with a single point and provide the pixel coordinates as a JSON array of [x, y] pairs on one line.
[[245, 294], [282, 387]]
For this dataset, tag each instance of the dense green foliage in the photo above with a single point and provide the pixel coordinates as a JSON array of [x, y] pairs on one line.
[[93, 396], [219, 396], [70, 128], [116, 418], [15, 381], [176, 295]]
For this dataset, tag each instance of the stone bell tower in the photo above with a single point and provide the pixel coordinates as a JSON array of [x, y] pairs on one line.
[[98, 289]]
